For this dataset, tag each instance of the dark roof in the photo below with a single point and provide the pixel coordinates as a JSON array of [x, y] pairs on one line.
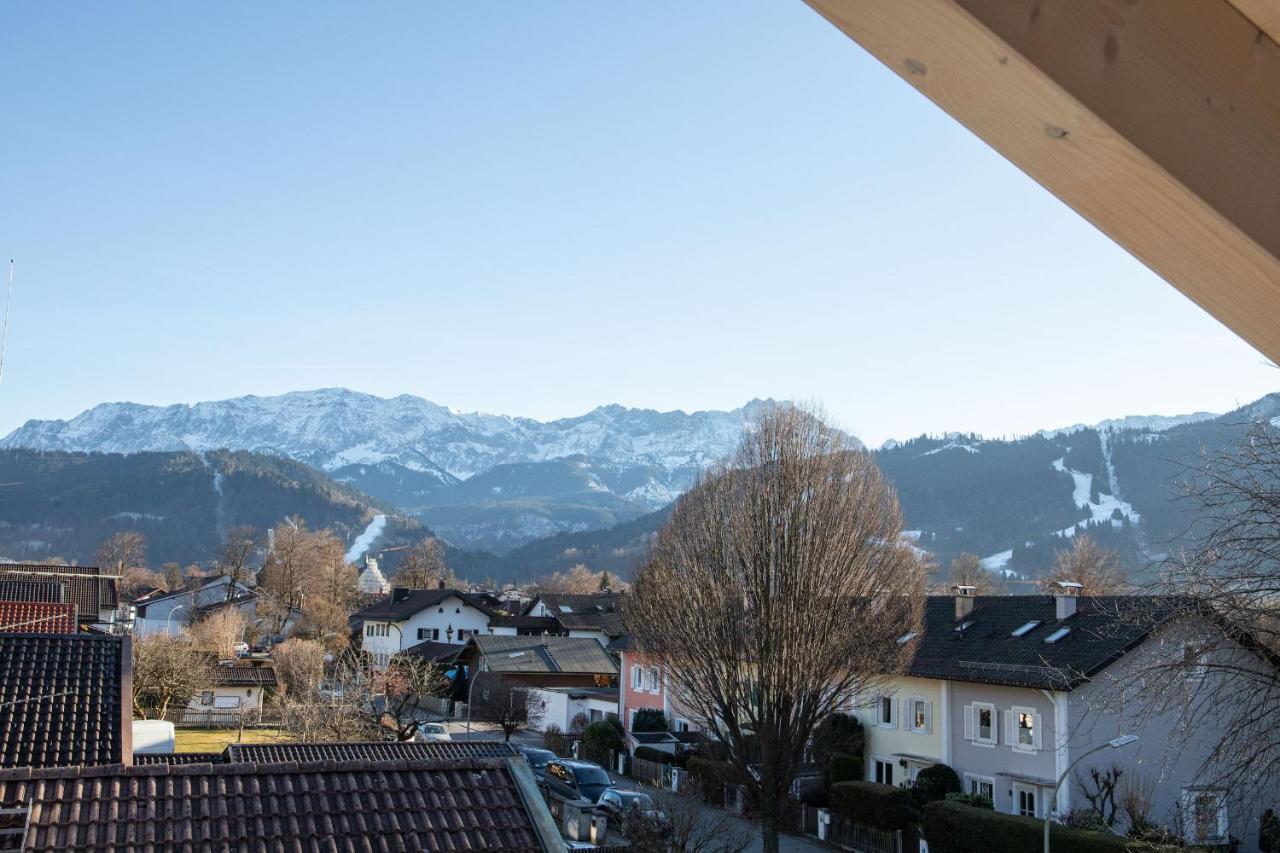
[[42, 617], [177, 758], [433, 650], [242, 598], [13, 588], [488, 805], [1102, 629], [621, 644], [549, 624], [91, 590], [242, 676], [402, 603], [544, 654], [61, 699], [261, 753], [597, 611]]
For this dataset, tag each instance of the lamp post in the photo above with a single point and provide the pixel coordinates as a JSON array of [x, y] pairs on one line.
[[167, 622], [1114, 743]]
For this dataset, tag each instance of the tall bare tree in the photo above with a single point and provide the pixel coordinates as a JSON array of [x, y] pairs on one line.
[[777, 591], [124, 550], [167, 672], [506, 704], [299, 668], [236, 556], [423, 566], [1097, 569], [305, 566], [219, 632], [579, 580], [967, 570]]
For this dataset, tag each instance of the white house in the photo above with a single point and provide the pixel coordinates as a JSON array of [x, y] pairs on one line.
[[231, 691], [562, 704], [411, 616]]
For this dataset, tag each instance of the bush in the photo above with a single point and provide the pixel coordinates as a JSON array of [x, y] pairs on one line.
[[649, 720], [648, 753], [838, 733], [598, 740], [871, 804], [711, 772], [553, 739], [934, 783], [843, 767], [976, 800], [951, 827]]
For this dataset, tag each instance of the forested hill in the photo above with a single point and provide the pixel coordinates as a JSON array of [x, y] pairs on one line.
[[65, 504]]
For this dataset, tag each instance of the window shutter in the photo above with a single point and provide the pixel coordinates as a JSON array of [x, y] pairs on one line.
[[1011, 728], [968, 722], [928, 717], [1035, 734], [895, 712]]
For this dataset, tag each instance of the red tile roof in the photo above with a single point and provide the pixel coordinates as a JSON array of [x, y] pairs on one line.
[[37, 617]]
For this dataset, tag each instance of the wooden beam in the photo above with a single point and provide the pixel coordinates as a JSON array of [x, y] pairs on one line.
[[1158, 121], [1263, 14]]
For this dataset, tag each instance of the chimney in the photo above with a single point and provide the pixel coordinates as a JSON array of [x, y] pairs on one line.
[[441, 583], [964, 600], [1065, 598]]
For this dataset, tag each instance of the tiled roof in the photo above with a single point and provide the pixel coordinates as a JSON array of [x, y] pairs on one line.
[[402, 603], [60, 699], [599, 611], [32, 589], [434, 650], [91, 590], [544, 654], [540, 624], [178, 757], [242, 676], [458, 750], [38, 617], [1102, 629], [488, 805]]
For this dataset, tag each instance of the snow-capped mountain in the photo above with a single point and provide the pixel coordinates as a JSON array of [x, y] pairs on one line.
[[611, 464]]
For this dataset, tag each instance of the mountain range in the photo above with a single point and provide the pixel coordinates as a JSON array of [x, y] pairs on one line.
[[517, 497]]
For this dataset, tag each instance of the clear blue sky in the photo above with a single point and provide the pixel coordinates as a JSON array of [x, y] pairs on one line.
[[536, 208]]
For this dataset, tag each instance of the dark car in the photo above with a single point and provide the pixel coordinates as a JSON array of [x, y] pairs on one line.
[[576, 779], [537, 758], [627, 808]]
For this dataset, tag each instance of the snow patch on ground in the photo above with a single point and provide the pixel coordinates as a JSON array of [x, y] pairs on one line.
[[1104, 509], [997, 562], [366, 539], [953, 445]]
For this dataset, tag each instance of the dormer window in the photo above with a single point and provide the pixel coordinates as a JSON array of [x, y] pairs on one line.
[[1057, 635], [1027, 628]]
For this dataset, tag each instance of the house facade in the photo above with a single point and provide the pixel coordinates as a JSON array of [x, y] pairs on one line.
[[169, 612], [411, 616], [905, 728]]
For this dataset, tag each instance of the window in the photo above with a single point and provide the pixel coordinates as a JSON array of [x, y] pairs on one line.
[[226, 701], [1204, 815], [368, 630], [462, 635], [883, 770], [637, 677], [980, 786], [1024, 729], [682, 725], [1025, 800], [980, 724], [435, 633], [1026, 629], [920, 715], [206, 698], [885, 716], [1057, 635], [651, 680], [422, 633]]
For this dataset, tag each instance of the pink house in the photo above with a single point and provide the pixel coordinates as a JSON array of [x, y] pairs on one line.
[[643, 686]]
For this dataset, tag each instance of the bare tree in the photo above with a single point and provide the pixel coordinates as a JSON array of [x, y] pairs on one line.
[[777, 591], [579, 580], [219, 632], [1100, 788], [1097, 569], [236, 555], [124, 550], [167, 672], [423, 566], [137, 579], [688, 827], [967, 570], [506, 704], [310, 567], [404, 686], [299, 668]]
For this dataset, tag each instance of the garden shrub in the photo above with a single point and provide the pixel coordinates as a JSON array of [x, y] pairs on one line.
[[934, 783], [598, 740], [843, 767], [872, 804], [649, 720], [952, 827]]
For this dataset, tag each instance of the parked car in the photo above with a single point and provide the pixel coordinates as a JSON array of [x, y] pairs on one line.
[[625, 808], [428, 732], [537, 758], [242, 650], [576, 779]]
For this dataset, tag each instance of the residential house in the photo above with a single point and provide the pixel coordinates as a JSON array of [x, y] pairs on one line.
[[1007, 690], [352, 799], [408, 617], [95, 595], [168, 612], [578, 662], [562, 705], [231, 691], [597, 615], [644, 686], [65, 700]]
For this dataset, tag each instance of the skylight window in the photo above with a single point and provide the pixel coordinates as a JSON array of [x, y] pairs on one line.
[[964, 626], [1027, 628], [907, 637], [1057, 635]]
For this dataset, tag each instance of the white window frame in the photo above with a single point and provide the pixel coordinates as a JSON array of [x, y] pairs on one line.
[[1034, 790], [1189, 796], [1014, 735], [637, 677], [892, 722], [927, 728], [889, 764], [971, 716], [973, 780]]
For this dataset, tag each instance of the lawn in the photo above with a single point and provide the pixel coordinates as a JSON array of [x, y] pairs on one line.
[[215, 740]]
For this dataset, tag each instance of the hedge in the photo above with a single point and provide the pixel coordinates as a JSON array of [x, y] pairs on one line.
[[717, 772], [843, 767], [871, 804], [649, 720], [598, 740], [648, 753], [951, 827]]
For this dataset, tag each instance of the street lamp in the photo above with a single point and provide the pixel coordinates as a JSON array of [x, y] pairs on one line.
[[167, 622], [1114, 743]]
